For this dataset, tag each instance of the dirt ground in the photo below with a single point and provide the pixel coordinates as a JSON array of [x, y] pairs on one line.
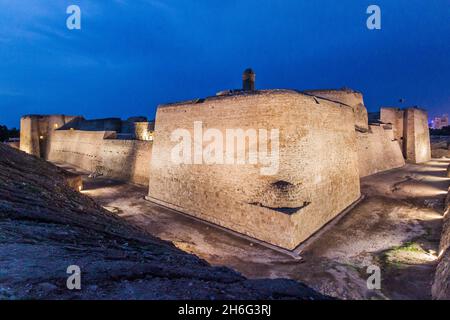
[[58, 244], [396, 227]]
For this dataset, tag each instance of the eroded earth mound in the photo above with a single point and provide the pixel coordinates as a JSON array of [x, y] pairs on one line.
[[46, 226]]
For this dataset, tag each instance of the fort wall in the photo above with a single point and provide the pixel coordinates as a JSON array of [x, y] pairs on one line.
[[348, 97], [35, 130], [325, 146], [99, 152], [378, 150], [441, 285], [317, 177], [14, 144], [133, 128], [411, 131], [417, 137]]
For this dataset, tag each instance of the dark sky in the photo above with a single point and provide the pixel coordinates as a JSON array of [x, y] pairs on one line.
[[132, 55]]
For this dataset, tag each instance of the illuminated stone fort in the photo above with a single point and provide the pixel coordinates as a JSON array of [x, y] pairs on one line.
[[325, 146]]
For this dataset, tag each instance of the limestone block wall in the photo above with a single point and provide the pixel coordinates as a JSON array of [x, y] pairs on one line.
[[143, 130], [350, 98], [14, 144], [417, 136], [317, 177], [395, 117], [95, 151], [440, 147], [411, 130], [441, 285], [35, 130], [378, 151]]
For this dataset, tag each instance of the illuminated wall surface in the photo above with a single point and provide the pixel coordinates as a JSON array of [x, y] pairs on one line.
[[325, 146]]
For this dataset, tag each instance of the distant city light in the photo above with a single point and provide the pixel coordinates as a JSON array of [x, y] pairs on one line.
[[440, 122]]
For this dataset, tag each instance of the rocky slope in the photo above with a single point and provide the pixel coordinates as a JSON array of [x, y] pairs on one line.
[[441, 285], [45, 226]]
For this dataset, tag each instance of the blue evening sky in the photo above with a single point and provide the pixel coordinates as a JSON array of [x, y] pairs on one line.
[[132, 55]]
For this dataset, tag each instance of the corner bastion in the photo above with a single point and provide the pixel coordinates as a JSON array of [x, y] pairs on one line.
[[317, 177], [36, 129], [105, 147], [441, 284], [410, 127]]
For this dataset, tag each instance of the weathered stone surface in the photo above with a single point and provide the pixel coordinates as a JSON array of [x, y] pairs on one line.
[[395, 117], [417, 142], [36, 129], [317, 157], [127, 160], [45, 226], [411, 131], [441, 285], [378, 151], [317, 178], [14, 144]]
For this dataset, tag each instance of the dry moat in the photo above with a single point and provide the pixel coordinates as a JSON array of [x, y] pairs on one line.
[[397, 226]]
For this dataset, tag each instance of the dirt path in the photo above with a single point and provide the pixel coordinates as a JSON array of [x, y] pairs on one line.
[[397, 227]]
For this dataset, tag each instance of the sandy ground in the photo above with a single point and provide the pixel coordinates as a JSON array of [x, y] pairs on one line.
[[396, 227]]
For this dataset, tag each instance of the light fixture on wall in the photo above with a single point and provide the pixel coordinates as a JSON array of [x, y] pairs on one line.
[[147, 136]]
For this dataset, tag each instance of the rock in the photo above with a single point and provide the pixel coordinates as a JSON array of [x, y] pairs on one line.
[[45, 226]]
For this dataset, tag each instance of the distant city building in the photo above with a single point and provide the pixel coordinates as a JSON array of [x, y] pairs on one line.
[[440, 122]]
